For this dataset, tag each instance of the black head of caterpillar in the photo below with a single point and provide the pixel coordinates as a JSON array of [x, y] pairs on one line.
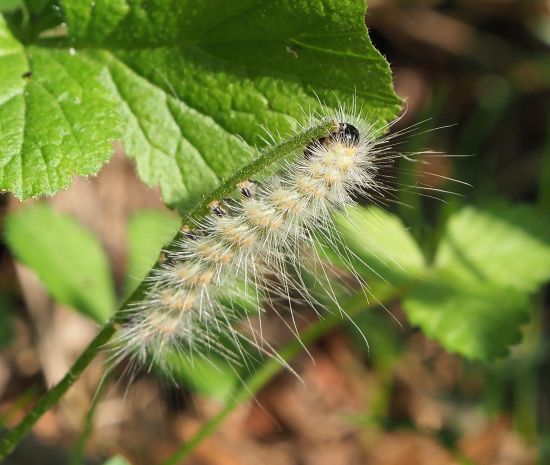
[[346, 133]]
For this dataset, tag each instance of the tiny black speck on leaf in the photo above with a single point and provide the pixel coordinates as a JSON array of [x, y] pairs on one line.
[[293, 50]]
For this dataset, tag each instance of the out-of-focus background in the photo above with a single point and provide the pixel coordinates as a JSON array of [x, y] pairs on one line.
[[477, 69]]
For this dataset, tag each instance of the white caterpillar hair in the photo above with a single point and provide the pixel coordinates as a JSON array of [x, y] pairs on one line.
[[251, 251]]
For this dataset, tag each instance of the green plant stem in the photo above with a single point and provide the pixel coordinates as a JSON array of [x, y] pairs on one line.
[[21, 403], [269, 156], [272, 366], [78, 453], [544, 180], [53, 395], [277, 153]]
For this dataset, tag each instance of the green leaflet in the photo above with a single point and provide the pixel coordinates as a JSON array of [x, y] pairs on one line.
[[148, 231], [192, 83], [478, 321], [69, 260], [501, 244], [475, 296], [383, 248], [487, 264], [211, 376], [117, 460]]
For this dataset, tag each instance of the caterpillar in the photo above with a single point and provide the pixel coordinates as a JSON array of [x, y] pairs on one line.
[[256, 249]]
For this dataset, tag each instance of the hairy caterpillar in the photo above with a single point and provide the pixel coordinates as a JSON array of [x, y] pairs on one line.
[[251, 251]]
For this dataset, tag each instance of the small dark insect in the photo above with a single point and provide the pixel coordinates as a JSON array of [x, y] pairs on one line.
[[27, 74], [293, 50], [346, 133]]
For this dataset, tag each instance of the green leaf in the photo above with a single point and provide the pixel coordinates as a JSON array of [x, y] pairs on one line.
[[67, 258], [148, 231], [478, 321], [210, 376], [502, 244], [477, 294], [55, 122], [8, 5], [194, 82], [383, 249], [117, 460]]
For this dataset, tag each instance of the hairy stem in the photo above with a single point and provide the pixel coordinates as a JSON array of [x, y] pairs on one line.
[[271, 155], [256, 166]]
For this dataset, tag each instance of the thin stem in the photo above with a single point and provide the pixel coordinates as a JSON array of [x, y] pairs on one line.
[[272, 366], [544, 180], [271, 155], [53, 395], [78, 453], [21, 403]]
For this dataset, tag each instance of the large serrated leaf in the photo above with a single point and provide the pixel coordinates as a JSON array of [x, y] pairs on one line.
[[502, 244], [477, 295], [476, 320], [67, 258], [191, 77], [56, 117], [194, 83]]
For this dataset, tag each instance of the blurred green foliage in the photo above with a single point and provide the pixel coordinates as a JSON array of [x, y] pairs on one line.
[[68, 259], [118, 460]]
